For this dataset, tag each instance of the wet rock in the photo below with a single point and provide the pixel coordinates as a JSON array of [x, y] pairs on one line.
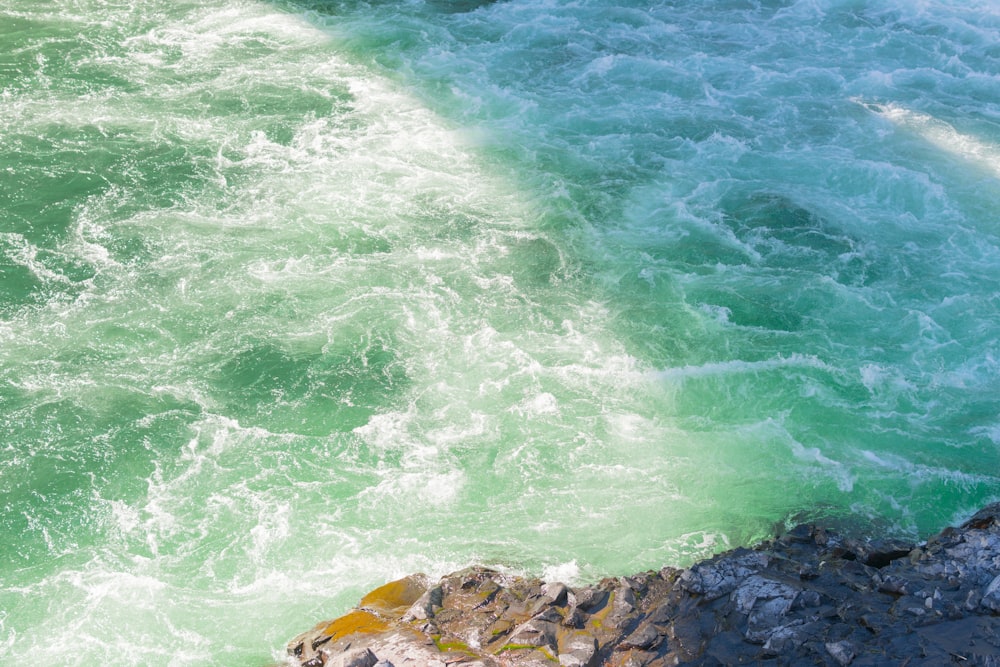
[[894, 585], [720, 576], [535, 633], [556, 593], [576, 649], [362, 658], [991, 596], [591, 599], [394, 598], [765, 602], [843, 652], [808, 597], [645, 638], [425, 605], [624, 600], [984, 519], [786, 638]]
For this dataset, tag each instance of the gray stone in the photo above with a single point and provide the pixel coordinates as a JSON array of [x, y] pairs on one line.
[[765, 602], [765, 618], [991, 595], [556, 593], [756, 587], [988, 517], [425, 605], [624, 601], [645, 637], [786, 637], [719, 576], [591, 599], [361, 658], [843, 652], [577, 649], [535, 633]]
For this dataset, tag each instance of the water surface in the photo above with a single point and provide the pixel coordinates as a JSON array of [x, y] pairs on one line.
[[300, 297]]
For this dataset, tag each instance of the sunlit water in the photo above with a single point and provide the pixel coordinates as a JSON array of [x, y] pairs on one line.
[[296, 298]]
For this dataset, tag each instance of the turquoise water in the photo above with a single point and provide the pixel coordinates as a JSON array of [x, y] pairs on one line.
[[300, 297]]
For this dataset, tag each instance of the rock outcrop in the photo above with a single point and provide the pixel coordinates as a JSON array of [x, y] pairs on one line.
[[809, 597]]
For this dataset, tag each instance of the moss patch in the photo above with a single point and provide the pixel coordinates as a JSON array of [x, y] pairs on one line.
[[526, 647], [452, 645], [597, 619]]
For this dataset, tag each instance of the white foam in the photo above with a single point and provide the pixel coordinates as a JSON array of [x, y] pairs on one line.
[[272, 528], [844, 478], [8, 636], [922, 473], [20, 250], [566, 573], [460, 429], [541, 404], [992, 432], [424, 488], [736, 367], [940, 134], [101, 586], [878, 378], [200, 37]]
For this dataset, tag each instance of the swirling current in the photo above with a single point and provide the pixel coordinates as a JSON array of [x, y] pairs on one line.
[[297, 297]]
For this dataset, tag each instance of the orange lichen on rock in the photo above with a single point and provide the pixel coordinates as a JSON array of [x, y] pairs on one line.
[[394, 598], [355, 622]]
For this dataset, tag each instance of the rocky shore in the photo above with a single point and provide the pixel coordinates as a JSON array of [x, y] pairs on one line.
[[809, 597]]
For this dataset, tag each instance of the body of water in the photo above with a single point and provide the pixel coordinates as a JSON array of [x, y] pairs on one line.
[[300, 297]]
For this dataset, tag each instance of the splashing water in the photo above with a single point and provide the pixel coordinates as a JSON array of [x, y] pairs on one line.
[[299, 297]]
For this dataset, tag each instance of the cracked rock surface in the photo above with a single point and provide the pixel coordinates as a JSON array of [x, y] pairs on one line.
[[809, 597]]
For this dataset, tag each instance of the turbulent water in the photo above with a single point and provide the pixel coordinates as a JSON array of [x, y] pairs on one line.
[[299, 297]]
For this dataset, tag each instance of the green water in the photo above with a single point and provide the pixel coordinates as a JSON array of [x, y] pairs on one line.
[[300, 297]]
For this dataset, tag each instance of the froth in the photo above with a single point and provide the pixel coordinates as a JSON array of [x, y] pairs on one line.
[[407, 291], [738, 367], [942, 135]]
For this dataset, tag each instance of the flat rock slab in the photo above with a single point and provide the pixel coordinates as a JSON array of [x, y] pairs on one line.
[[808, 597]]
